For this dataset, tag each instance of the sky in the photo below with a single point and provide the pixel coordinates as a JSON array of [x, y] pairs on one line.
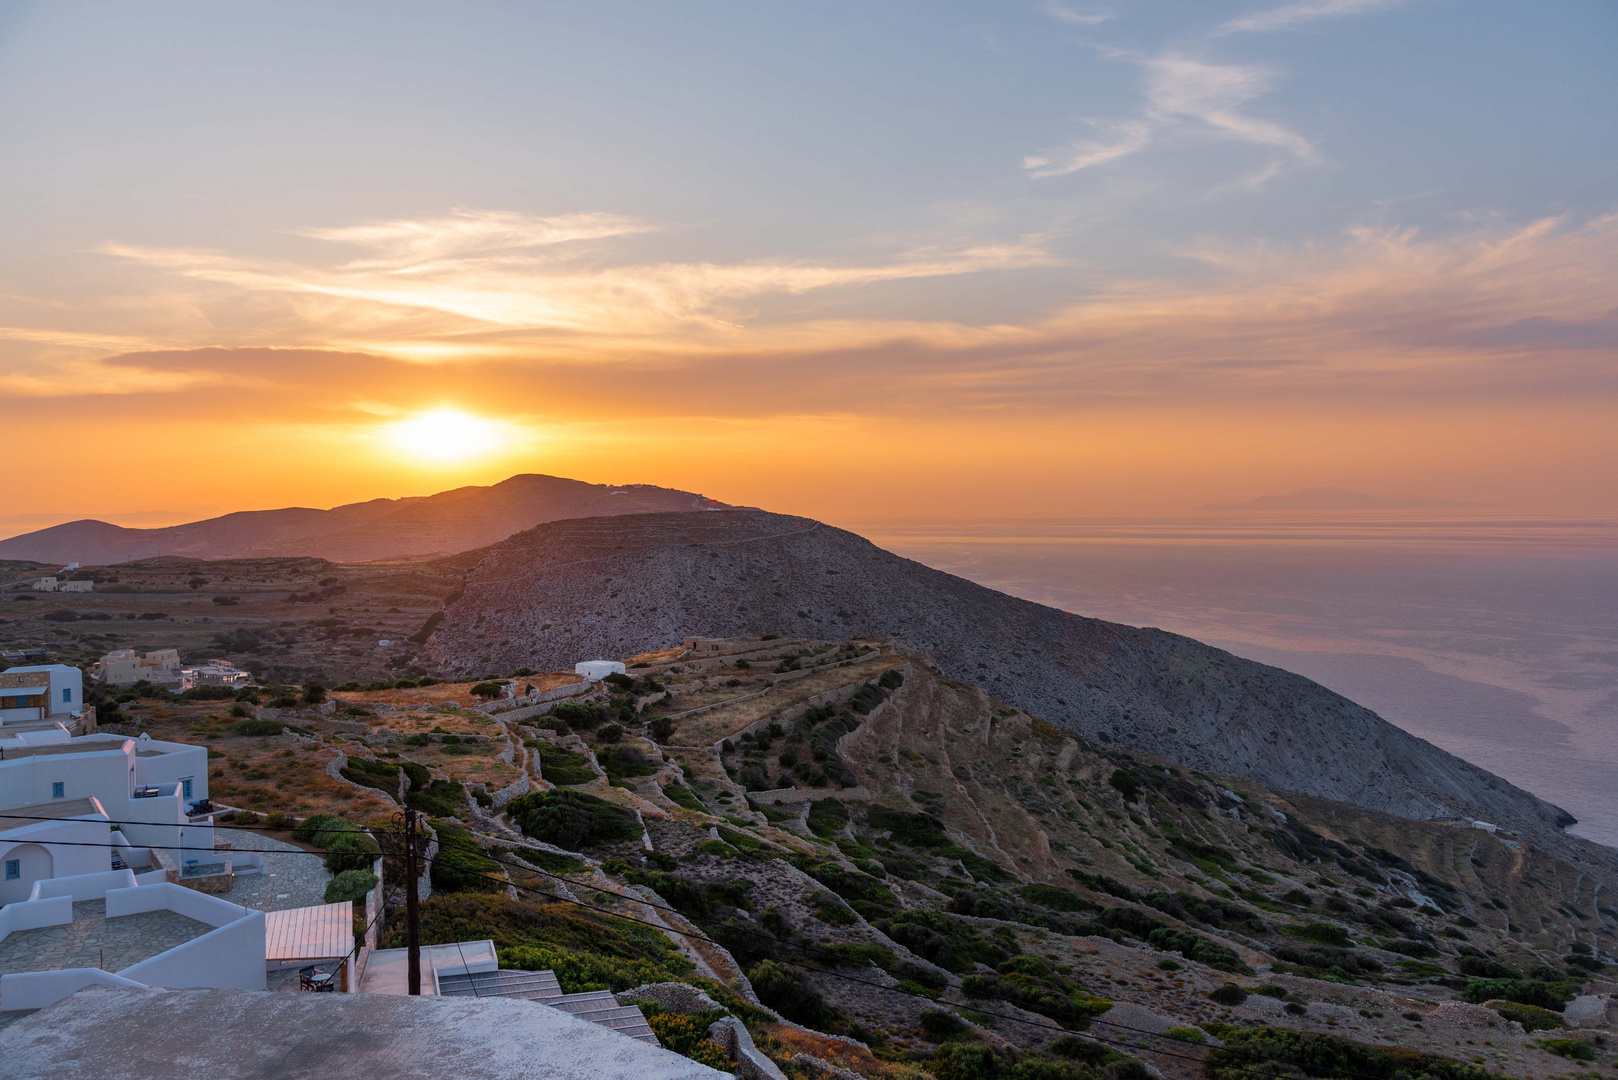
[[852, 260]]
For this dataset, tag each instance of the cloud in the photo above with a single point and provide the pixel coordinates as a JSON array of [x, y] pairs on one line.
[[1185, 95], [1127, 137], [480, 272], [1062, 13], [1178, 86], [1287, 15], [1380, 318]]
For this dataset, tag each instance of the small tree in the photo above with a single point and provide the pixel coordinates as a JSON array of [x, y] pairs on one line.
[[487, 690]]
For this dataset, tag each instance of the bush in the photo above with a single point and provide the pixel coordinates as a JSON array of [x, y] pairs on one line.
[[661, 729], [278, 819], [940, 1026], [461, 865], [1228, 994], [1054, 896], [579, 715], [313, 693], [1569, 1048], [1321, 932], [1276, 1051], [782, 988], [488, 690], [1481, 967], [1186, 1034], [1531, 1017], [1125, 782], [1522, 991], [572, 819], [350, 885], [260, 727], [1198, 948], [245, 817], [688, 1037]]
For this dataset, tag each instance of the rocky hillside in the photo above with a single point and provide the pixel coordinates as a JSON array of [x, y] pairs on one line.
[[450, 521], [883, 870], [573, 589]]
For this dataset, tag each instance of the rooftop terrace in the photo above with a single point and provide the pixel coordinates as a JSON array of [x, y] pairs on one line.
[[93, 940]]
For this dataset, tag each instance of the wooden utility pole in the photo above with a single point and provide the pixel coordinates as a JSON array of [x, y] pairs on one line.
[[412, 910]]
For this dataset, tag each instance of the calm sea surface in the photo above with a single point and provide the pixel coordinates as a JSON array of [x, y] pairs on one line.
[[1495, 638]]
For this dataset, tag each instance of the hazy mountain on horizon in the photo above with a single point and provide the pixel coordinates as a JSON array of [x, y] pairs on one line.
[[1336, 498], [445, 523]]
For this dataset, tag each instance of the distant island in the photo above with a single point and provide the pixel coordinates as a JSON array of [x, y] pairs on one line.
[[1335, 498]]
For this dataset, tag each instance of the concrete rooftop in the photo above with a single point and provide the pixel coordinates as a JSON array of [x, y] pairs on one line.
[[93, 940], [136, 1034]]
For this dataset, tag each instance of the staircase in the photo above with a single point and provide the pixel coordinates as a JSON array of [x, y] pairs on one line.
[[596, 1006]]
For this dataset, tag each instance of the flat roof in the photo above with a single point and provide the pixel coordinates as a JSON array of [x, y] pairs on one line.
[[128, 1033], [30, 813], [13, 753], [320, 932]]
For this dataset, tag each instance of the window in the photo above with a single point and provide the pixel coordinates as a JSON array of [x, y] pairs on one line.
[[58, 790], [67, 697], [185, 787], [13, 869]]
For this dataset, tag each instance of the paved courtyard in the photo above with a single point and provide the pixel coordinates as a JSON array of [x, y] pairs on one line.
[[93, 940], [294, 879]]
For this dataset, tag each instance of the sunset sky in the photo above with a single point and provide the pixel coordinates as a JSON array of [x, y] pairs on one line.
[[841, 259]]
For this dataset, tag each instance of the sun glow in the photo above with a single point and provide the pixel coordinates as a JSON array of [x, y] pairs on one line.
[[446, 436]]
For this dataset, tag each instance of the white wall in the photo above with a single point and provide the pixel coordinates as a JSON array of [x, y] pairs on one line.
[[37, 989], [39, 859], [102, 770], [179, 761]]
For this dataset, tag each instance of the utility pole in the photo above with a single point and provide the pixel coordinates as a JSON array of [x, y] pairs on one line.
[[412, 911]]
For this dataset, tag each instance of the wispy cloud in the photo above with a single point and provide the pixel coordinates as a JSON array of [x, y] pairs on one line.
[[1062, 13], [474, 274], [1287, 15], [1187, 95]]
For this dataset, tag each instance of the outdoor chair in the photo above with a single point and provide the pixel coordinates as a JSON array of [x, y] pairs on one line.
[[313, 978]]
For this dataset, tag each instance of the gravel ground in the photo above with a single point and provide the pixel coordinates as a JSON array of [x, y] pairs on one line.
[[296, 879]]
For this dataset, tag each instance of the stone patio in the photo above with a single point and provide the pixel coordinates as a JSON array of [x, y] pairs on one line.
[[294, 879], [92, 940]]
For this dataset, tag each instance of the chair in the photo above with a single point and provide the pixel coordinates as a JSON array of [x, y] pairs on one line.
[[313, 978]]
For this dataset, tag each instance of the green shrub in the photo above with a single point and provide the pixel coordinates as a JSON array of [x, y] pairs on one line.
[[1531, 1017], [488, 690], [350, 885], [1228, 994], [579, 715], [1276, 1051], [681, 795], [260, 727], [661, 728], [461, 865], [688, 1037], [783, 989], [1481, 967], [941, 1026], [609, 733], [827, 818], [588, 950], [1125, 782], [1569, 1048], [318, 828], [1321, 932], [278, 819], [564, 767], [439, 799], [1186, 1034], [1055, 897], [572, 819], [1522, 991], [244, 817], [1198, 948]]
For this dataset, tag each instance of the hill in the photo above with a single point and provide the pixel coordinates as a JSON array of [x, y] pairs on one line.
[[448, 522], [612, 587]]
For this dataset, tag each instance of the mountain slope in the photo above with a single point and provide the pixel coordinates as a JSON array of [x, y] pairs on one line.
[[448, 522], [611, 587]]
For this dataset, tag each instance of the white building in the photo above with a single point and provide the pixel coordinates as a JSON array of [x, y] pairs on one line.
[[41, 692], [61, 838], [80, 585], [148, 784], [215, 673], [110, 929], [45, 584], [596, 670]]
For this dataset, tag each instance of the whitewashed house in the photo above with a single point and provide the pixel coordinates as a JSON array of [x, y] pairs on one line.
[[41, 692], [149, 785]]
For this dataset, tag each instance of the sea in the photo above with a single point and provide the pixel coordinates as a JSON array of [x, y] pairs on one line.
[[1493, 637]]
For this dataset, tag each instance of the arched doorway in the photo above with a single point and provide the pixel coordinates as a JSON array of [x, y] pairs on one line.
[[20, 867]]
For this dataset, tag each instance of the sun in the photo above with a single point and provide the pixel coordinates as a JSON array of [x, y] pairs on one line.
[[445, 436]]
